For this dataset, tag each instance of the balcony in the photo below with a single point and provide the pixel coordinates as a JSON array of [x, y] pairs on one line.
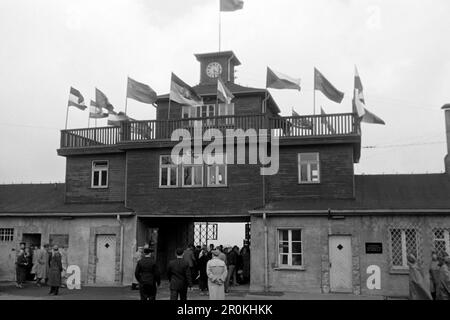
[[318, 126]]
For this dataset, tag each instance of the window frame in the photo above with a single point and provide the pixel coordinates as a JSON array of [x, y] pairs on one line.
[[446, 239], [192, 165], [93, 170], [308, 163], [6, 235], [290, 253], [217, 166], [404, 246], [169, 173]]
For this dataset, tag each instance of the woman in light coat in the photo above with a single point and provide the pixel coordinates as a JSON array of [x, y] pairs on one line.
[[216, 270]]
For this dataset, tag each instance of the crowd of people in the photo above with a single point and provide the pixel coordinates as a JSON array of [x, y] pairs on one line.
[[435, 286], [213, 269], [43, 265]]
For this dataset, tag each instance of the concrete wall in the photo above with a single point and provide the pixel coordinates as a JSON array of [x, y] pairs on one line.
[[80, 231], [315, 276]]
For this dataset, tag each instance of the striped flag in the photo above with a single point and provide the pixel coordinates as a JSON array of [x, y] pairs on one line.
[[278, 80], [359, 103], [326, 123], [96, 112], [140, 92], [231, 5], [76, 99], [102, 101], [114, 119], [182, 93], [322, 84], [223, 93], [301, 122]]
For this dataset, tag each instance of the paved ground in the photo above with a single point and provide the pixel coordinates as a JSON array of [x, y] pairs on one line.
[[8, 291]]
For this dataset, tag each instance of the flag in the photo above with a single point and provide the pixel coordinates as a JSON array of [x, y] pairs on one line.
[[114, 119], [325, 121], [369, 117], [102, 101], [322, 84], [231, 5], [358, 96], [95, 112], [223, 93], [183, 93], [359, 103], [301, 123], [140, 92], [277, 80], [76, 99]]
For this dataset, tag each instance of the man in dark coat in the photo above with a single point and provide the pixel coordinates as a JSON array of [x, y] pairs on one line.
[[202, 261], [179, 275], [21, 268], [54, 271], [148, 276]]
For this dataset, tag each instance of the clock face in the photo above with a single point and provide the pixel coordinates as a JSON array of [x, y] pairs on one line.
[[214, 69]]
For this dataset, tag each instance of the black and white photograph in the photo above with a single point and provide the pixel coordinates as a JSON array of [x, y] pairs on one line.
[[238, 151]]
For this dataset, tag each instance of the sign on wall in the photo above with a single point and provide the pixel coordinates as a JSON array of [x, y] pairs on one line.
[[374, 248]]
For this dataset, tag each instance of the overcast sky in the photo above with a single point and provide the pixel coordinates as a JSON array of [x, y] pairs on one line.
[[401, 48]]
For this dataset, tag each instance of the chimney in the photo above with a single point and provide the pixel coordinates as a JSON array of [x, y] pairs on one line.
[[446, 109]]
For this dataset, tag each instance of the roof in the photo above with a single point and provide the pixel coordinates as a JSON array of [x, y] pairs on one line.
[[380, 192], [32, 199], [230, 54], [237, 90]]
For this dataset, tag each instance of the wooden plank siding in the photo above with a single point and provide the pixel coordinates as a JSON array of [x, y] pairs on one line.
[[79, 174]]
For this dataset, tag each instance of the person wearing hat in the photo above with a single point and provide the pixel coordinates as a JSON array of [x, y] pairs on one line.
[[443, 289], [54, 271], [148, 276], [216, 270], [180, 276], [418, 289]]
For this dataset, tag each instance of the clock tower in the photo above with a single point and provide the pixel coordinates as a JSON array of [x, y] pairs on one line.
[[217, 64]]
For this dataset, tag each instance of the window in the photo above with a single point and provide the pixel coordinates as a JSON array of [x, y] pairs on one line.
[[226, 110], [99, 174], [290, 248], [217, 171], [6, 234], [308, 168], [168, 172], [403, 243], [441, 240], [193, 173]]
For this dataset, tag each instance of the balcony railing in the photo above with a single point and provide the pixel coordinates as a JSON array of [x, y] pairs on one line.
[[157, 130]]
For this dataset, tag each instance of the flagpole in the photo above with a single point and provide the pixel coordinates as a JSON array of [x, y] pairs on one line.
[[220, 26], [126, 97], [314, 94], [67, 115]]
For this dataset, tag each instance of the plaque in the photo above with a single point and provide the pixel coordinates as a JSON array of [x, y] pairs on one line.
[[374, 248]]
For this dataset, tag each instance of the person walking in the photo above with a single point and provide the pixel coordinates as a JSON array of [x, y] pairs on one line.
[[54, 271], [202, 261], [21, 268], [41, 264], [139, 254], [148, 276], [232, 259], [443, 289], [216, 270], [189, 257], [245, 254], [418, 290], [434, 274], [180, 276]]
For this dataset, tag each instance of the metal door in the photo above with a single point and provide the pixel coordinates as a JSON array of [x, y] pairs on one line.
[[340, 254], [106, 259]]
